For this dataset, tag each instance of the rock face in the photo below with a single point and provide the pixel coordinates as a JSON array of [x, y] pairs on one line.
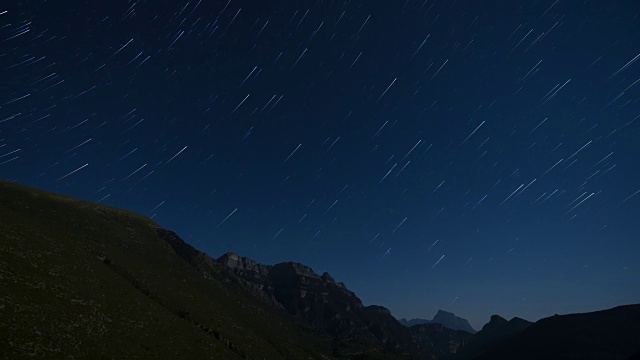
[[448, 319], [252, 276], [234, 261], [319, 301]]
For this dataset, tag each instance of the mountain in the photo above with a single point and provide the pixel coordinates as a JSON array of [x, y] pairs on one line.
[[448, 319], [496, 331], [329, 307], [87, 280], [319, 302], [609, 334], [82, 280]]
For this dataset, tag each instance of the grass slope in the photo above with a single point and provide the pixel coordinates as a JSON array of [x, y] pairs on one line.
[[60, 297]]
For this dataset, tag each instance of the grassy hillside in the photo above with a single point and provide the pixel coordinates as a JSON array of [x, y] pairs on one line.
[[80, 280]]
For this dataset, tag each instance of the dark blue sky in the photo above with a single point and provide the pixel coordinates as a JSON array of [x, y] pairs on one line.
[[479, 157]]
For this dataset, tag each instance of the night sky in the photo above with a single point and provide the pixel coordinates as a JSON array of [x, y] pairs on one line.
[[475, 156]]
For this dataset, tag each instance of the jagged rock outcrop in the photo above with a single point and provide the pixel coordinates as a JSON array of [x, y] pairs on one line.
[[238, 263], [319, 301]]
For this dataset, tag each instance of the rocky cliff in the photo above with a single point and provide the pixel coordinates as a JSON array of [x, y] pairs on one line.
[[318, 301]]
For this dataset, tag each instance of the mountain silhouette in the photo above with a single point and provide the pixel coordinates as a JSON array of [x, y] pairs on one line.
[[84, 280], [607, 334], [496, 331]]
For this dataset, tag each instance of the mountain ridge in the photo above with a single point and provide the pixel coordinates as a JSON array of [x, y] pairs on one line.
[[605, 334], [318, 301], [493, 333], [85, 279]]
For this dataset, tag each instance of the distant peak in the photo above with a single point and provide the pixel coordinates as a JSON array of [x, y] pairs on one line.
[[451, 321]]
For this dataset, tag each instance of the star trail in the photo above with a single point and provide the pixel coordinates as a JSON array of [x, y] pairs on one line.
[[475, 157]]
